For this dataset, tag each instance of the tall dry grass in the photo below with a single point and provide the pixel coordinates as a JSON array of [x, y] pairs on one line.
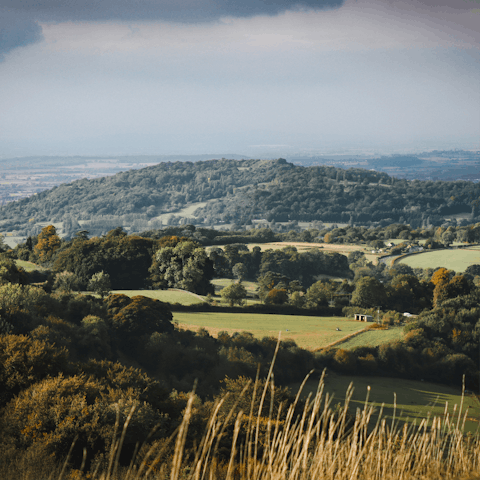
[[319, 443]]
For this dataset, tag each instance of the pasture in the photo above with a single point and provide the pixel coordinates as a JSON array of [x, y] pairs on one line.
[[307, 332], [415, 400], [373, 338], [457, 260], [170, 296]]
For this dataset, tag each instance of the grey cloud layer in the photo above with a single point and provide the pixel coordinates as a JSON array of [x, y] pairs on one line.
[[17, 30], [181, 11], [19, 20]]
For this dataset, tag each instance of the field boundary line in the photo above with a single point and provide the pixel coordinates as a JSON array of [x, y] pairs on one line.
[[343, 339]]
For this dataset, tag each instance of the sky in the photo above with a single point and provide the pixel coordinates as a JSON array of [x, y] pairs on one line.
[[251, 77]]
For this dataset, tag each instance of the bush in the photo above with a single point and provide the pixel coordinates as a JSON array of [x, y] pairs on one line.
[[140, 316], [276, 296], [56, 411], [25, 361], [345, 361]]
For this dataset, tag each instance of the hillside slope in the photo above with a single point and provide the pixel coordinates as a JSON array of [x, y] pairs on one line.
[[239, 191]]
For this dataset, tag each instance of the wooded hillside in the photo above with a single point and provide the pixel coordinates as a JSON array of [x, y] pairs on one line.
[[235, 191]]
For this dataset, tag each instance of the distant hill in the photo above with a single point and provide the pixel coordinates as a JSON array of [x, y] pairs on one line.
[[239, 191]]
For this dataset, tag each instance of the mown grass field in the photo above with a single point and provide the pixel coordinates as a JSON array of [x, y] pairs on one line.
[[307, 332], [415, 400], [373, 338], [457, 260], [170, 296]]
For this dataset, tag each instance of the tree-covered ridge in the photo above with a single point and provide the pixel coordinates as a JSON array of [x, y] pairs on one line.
[[151, 190], [240, 191]]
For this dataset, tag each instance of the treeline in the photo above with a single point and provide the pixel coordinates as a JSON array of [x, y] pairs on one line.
[[437, 237], [242, 191], [163, 261], [378, 237], [210, 236], [135, 262]]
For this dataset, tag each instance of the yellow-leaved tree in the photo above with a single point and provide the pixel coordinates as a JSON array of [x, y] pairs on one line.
[[48, 242]]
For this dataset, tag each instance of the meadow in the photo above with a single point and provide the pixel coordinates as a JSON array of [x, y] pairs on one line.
[[28, 266], [457, 260], [407, 400], [307, 332]]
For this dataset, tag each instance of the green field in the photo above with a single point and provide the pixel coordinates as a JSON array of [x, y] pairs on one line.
[[307, 332], [457, 260], [27, 266], [373, 338], [251, 287], [170, 296], [415, 400]]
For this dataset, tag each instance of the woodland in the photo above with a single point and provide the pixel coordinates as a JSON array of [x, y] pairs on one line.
[[240, 191]]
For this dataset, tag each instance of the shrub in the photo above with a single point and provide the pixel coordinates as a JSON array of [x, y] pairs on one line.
[[56, 411], [142, 316], [276, 296], [25, 361], [345, 361]]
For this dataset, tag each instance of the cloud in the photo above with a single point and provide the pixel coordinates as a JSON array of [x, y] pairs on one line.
[[19, 21], [17, 30], [171, 10], [359, 26]]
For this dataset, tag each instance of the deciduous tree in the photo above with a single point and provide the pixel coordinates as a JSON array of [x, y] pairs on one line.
[[48, 243], [234, 294], [369, 292], [100, 284]]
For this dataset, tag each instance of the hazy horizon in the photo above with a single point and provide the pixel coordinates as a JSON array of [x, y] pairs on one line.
[[256, 79]]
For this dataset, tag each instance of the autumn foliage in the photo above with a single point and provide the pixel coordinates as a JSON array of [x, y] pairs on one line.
[[48, 243]]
